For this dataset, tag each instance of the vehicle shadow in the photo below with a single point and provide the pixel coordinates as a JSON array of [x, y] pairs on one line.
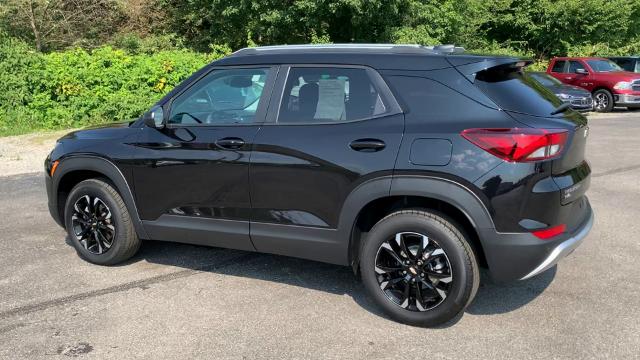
[[492, 298]]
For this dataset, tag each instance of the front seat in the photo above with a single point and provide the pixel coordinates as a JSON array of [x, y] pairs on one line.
[[308, 96]]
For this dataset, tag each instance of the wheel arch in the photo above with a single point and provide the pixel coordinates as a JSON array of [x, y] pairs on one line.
[[601, 87], [448, 197], [74, 169]]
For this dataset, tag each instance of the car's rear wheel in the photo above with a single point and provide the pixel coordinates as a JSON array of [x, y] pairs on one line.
[[603, 100], [419, 268], [98, 223]]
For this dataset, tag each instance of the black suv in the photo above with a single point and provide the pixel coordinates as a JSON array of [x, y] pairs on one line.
[[413, 165]]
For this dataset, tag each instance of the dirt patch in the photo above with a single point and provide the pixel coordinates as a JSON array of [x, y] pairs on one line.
[[26, 153]]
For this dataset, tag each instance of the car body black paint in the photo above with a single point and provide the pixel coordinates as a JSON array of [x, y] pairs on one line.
[[298, 189]]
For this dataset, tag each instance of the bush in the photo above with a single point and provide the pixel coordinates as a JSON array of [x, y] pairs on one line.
[[76, 87]]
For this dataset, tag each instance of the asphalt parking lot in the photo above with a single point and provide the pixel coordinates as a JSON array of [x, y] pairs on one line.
[[179, 301]]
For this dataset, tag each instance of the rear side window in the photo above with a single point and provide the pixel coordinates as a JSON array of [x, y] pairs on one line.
[[558, 66], [320, 95], [514, 90]]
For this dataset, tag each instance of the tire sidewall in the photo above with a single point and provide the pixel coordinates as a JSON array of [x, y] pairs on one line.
[[461, 288], [93, 188]]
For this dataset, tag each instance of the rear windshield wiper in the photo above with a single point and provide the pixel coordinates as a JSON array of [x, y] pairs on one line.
[[562, 108]]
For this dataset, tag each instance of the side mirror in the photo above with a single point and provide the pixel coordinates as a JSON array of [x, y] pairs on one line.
[[582, 72], [154, 118]]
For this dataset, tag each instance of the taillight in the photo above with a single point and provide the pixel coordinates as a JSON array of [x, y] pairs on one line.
[[518, 145], [550, 232]]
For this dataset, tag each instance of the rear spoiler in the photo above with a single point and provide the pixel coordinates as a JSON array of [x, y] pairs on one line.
[[469, 67]]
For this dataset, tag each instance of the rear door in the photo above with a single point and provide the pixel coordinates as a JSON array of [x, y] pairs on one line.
[[558, 69], [330, 129], [192, 176]]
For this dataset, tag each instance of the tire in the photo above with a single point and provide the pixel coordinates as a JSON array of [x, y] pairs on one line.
[[450, 291], [602, 100], [118, 239]]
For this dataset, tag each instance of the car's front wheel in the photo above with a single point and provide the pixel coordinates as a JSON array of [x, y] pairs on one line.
[[99, 224], [603, 100], [419, 268]]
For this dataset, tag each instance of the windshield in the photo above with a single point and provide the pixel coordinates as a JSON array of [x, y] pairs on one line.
[[514, 90], [604, 66], [544, 79]]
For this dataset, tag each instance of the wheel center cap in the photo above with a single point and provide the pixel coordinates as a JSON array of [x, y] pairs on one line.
[[413, 271]]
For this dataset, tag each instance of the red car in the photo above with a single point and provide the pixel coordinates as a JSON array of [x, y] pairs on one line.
[[609, 83]]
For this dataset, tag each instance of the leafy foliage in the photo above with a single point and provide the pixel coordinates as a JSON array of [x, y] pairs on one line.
[[71, 62], [79, 87]]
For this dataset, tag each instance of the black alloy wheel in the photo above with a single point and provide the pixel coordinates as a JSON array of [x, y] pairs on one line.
[[92, 224], [419, 267], [413, 271]]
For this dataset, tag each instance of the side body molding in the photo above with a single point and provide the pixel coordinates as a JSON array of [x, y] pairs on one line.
[[111, 171]]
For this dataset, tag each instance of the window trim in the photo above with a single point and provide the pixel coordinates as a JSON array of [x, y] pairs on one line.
[[261, 111], [392, 106]]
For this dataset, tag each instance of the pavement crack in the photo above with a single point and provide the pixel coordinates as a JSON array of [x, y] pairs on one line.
[[616, 171], [27, 309]]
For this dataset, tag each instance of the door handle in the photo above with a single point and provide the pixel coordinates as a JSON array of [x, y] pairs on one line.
[[367, 145], [230, 143]]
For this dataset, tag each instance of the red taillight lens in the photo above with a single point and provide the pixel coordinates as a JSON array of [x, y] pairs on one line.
[[550, 232], [518, 145]]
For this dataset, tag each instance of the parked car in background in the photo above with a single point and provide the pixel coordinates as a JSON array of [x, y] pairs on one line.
[[628, 63], [609, 83], [579, 98]]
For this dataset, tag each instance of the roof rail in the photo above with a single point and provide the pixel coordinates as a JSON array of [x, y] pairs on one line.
[[410, 47]]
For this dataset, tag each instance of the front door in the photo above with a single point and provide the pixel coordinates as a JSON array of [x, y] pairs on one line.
[[192, 177], [331, 129]]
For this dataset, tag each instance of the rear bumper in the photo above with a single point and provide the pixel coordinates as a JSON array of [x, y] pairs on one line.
[[520, 256], [563, 249]]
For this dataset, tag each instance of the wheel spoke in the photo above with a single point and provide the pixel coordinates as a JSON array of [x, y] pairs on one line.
[[435, 274], [419, 298], [388, 283], [102, 240], [386, 269], [424, 241], [403, 245], [407, 292], [392, 252]]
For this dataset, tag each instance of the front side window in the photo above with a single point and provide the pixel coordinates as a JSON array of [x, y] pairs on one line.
[[222, 97], [604, 66], [575, 65], [320, 95]]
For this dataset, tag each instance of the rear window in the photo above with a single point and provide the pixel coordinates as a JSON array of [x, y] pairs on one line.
[[514, 90]]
